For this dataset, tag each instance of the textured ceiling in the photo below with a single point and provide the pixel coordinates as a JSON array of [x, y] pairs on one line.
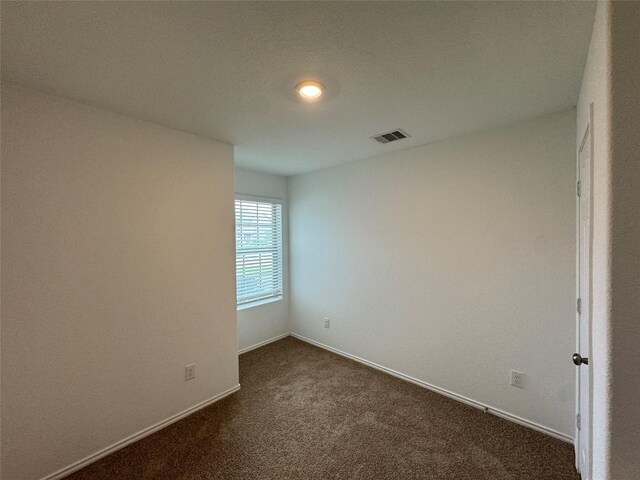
[[227, 70]]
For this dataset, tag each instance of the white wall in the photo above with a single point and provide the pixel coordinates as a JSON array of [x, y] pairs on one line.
[[625, 240], [117, 271], [612, 83], [451, 263], [263, 322]]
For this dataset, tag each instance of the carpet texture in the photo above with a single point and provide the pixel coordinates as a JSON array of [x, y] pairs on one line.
[[305, 413]]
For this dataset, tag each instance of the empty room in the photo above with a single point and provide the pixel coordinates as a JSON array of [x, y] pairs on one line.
[[320, 240]]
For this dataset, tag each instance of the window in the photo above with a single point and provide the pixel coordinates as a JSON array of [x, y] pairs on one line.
[[258, 250]]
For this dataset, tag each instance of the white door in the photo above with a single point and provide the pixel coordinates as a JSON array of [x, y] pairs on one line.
[[583, 345]]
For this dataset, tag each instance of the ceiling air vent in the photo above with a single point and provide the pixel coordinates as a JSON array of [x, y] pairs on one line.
[[391, 136]]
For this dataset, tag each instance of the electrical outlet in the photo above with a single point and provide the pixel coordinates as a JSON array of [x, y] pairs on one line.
[[189, 372], [327, 323], [517, 379]]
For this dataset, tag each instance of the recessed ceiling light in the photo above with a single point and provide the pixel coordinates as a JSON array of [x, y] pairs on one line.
[[309, 89]]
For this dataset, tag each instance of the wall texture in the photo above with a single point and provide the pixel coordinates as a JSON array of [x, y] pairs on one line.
[[264, 322], [117, 271], [625, 240], [451, 263]]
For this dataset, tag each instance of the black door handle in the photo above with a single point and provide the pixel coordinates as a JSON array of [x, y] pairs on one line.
[[579, 360]]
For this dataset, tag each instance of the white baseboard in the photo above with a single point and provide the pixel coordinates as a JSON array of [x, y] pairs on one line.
[[461, 398], [262, 344], [63, 472], [164, 423]]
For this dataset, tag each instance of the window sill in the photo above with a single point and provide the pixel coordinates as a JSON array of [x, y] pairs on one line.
[[257, 303]]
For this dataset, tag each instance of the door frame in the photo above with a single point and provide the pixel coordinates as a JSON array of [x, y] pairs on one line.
[[586, 303]]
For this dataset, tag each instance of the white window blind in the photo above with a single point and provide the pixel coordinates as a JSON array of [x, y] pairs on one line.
[[258, 250]]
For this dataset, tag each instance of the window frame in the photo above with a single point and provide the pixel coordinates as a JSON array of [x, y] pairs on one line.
[[275, 297]]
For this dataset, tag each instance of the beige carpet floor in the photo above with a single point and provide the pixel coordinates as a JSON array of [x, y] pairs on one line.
[[304, 413]]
